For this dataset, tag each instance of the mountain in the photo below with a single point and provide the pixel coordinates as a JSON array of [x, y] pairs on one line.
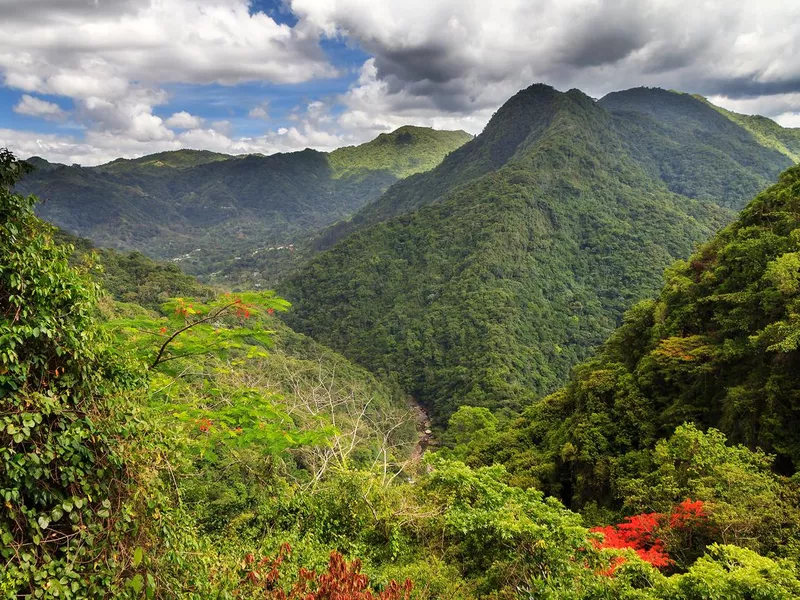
[[696, 149], [251, 457], [718, 347], [162, 162], [202, 209], [486, 279]]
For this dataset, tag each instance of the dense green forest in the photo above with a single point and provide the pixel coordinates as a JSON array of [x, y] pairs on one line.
[[208, 211], [485, 280], [718, 348], [195, 447]]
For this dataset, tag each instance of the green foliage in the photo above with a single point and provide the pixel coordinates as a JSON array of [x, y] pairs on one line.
[[65, 465], [131, 276], [731, 572], [747, 504], [506, 536]]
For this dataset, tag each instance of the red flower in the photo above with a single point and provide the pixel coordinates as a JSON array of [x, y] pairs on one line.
[[687, 513], [639, 533]]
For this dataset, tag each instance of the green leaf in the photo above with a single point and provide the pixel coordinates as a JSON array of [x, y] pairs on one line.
[[136, 583], [151, 586], [138, 554]]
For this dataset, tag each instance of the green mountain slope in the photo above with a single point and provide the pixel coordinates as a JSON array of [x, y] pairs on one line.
[[202, 209], [768, 132], [506, 276], [132, 276], [406, 151], [694, 147], [719, 347], [512, 124]]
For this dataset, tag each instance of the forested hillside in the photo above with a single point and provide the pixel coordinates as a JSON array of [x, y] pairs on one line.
[[204, 210], [696, 149], [486, 279], [719, 347]]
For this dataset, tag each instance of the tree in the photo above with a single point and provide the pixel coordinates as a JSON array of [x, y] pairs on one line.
[[732, 572], [747, 504], [645, 533]]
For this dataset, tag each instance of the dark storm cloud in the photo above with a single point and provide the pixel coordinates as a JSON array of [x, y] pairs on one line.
[[752, 87], [432, 62], [598, 47]]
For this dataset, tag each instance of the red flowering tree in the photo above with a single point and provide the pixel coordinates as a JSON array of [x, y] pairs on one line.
[[646, 533]]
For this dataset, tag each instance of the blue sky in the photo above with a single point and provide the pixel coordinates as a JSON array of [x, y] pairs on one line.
[[89, 81]]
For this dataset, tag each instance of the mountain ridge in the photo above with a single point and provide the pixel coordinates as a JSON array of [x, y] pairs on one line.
[[214, 207], [489, 292]]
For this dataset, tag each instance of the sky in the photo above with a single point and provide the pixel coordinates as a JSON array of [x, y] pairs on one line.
[[88, 81]]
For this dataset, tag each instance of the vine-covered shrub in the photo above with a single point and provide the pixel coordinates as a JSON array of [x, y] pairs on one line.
[[64, 427]]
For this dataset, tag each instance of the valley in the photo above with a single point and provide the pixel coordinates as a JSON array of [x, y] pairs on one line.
[[559, 359]]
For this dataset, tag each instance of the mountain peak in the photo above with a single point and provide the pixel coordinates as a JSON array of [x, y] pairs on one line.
[[657, 101], [409, 149], [42, 164]]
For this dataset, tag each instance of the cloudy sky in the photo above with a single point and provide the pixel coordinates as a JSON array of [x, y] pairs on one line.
[[90, 80]]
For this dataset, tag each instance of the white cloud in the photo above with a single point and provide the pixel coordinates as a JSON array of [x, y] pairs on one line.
[[96, 148], [75, 51], [183, 120], [447, 64], [224, 127], [36, 107], [788, 119], [113, 58], [259, 112], [147, 134], [773, 105], [371, 108]]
